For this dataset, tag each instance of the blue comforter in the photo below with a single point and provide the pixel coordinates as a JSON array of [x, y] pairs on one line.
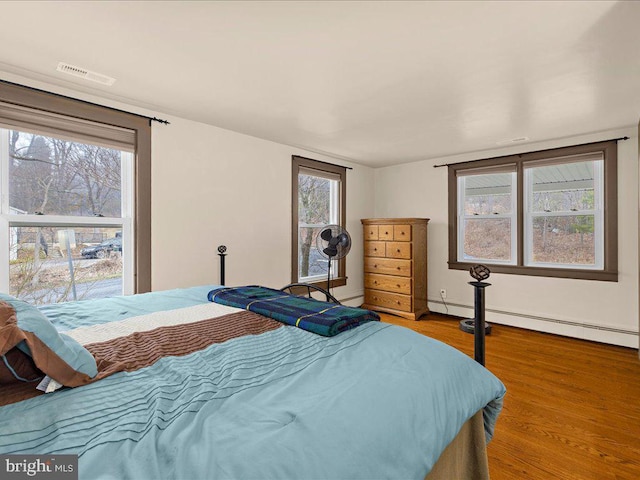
[[378, 401]]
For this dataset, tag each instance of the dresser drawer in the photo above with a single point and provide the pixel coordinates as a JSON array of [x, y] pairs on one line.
[[388, 283], [398, 250], [388, 300], [387, 266], [371, 232], [385, 232], [374, 249], [402, 233]]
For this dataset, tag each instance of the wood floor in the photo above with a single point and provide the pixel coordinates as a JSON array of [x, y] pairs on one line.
[[572, 409]]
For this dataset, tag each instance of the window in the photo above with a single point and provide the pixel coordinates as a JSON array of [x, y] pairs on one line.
[[487, 218], [318, 199], [549, 213], [75, 198]]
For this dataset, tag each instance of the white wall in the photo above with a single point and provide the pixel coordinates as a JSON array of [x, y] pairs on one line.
[[601, 311], [212, 186]]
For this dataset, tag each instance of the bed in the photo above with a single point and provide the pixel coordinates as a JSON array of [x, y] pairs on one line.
[[218, 391]]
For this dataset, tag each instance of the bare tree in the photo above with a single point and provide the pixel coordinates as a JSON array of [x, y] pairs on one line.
[[313, 208], [52, 176], [98, 171]]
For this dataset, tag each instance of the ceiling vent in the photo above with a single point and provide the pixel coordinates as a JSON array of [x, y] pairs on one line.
[[86, 74]]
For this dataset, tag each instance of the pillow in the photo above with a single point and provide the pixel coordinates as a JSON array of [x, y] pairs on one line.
[[60, 357], [17, 366]]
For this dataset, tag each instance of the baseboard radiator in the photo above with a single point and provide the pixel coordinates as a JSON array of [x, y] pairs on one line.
[[537, 317]]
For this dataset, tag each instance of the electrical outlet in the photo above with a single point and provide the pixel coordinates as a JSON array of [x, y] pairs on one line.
[[443, 293]]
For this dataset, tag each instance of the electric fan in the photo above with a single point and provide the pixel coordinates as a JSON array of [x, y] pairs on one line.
[[333, 243]]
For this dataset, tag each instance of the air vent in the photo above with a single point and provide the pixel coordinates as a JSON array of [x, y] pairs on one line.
[[86, 74]]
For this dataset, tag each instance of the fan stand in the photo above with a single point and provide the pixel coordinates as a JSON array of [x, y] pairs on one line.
[[328, 276], [331, 246]]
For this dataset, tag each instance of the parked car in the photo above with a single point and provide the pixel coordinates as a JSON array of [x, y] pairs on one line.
[[103, 249]]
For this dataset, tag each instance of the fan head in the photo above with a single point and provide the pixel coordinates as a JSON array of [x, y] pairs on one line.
[[333, 242]]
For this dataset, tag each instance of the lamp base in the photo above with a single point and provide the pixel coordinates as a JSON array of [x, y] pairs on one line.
[[468, 326]]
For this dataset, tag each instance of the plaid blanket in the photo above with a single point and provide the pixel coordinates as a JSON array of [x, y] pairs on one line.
[[319, 317]]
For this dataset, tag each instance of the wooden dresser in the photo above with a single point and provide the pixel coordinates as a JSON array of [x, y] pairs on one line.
[[395, 266]]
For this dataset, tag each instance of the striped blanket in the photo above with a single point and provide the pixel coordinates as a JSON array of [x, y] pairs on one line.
[[315, 316], [138, 342]]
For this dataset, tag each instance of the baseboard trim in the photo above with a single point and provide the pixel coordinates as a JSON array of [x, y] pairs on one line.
[[353, 297], [614, 335]]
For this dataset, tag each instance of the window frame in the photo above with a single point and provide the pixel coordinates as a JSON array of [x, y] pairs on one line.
[[298, 163], [609, 271], [512, 216], [597, 212], [50, 103]]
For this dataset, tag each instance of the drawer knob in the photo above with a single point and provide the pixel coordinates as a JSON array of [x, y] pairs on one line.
[[375, 249], [398, 250]]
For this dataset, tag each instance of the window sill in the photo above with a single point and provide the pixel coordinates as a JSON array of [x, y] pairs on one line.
[[335, 282], [574, 273]]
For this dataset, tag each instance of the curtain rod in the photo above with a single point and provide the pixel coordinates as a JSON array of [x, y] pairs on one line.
[[151, 119], [524, 153]]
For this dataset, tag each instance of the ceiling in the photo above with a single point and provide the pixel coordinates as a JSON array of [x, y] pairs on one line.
[[378, 83]]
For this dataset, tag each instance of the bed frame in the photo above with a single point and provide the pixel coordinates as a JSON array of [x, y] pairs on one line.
[[298, 288]]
